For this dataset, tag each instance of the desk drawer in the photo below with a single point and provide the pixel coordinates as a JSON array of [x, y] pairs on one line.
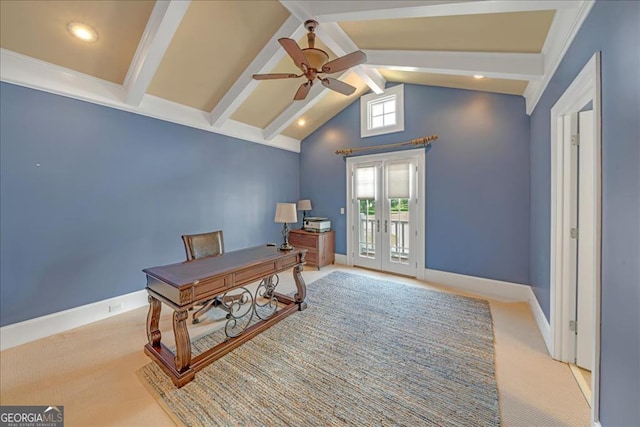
[[249, 274], [288, 262], [211, 287]]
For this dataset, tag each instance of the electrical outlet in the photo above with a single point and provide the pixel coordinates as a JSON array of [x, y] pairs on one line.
[[341, 211], [116, 307]]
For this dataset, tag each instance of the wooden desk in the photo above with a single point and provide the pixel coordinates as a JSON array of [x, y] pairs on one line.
[[183, 285]]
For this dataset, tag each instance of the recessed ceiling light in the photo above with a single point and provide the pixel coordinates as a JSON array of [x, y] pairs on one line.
[[478, 76], [301, 122], [82, 31]]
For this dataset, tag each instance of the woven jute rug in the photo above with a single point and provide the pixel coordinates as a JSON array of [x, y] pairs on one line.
[[365, 352]]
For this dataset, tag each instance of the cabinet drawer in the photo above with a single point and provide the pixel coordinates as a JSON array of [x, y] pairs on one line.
[[312, 257], [303, 240]]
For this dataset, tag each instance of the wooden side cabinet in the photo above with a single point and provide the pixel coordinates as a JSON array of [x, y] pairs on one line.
[[320, 246]]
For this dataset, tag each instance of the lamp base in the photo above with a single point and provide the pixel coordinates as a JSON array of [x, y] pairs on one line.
[[285, 247]]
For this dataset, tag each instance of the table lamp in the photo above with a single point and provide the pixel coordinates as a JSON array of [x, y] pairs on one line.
[[304, 206], [286, 214]]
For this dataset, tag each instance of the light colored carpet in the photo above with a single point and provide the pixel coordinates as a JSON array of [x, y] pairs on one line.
[[365, 352], [91, 370]]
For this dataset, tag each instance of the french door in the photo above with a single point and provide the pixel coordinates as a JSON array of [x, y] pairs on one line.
[[384, 210]]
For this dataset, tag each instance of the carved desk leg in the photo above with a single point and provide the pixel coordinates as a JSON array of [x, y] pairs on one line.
[[300, 285], [183, 343], [153, 322]]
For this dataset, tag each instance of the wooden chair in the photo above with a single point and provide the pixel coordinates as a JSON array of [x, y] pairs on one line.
[[199, 246]]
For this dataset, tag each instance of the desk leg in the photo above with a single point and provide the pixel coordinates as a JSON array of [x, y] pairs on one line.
[[300, 286], [153, 322], [183, 342]]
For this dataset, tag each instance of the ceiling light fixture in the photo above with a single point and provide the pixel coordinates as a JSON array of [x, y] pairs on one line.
[[301, 122], [82, 31], [478, 76]]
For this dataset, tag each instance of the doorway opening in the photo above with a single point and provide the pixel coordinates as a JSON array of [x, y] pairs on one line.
[[576, 227]]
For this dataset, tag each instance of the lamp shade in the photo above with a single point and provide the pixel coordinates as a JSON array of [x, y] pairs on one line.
[[304, 205], [286, 213]]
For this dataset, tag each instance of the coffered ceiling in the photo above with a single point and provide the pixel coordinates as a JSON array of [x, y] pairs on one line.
[[191, 62]]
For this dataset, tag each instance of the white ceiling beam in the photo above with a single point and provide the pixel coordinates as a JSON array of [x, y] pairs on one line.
[[161, 27], [564, 28], [294, 110], [264, 62], [516, 66], [301, 9], [341, 44], [336, 11]]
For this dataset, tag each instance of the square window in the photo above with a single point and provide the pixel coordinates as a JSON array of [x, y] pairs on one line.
[[384, 113]]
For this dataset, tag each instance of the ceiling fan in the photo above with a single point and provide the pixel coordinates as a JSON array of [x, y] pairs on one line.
[[313, 62]]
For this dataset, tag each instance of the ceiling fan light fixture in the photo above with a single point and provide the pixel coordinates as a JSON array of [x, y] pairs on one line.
[[82, 32], [302, 122], [316, 57]]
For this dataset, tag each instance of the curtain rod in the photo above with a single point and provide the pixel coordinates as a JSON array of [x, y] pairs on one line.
[[425, 140]]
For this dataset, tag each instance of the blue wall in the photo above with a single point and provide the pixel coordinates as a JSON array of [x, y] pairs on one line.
[[112, 195], [612, 27], [477, 177]]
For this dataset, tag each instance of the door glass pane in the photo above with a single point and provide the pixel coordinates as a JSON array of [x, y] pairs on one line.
[[399, 230], [367, 228]]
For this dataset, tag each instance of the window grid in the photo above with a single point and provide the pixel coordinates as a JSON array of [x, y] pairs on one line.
[[382, 112]]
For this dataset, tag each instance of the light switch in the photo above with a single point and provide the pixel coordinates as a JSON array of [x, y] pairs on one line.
[[341, 211]]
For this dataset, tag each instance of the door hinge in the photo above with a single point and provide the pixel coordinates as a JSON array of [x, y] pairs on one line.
[[575, 139], [574, 233], [573, 326]]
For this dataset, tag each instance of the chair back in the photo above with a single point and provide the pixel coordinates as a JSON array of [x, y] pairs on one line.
[[203, 245]]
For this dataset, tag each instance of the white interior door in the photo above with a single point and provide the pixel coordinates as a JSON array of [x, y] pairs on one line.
[[586, 271], [367, 214], [398, 217], [384, 212]]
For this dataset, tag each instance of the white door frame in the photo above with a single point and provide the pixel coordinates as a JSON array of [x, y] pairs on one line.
[[584, 89], [419, 154]]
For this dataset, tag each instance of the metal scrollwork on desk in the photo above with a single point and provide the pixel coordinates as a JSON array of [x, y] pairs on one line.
[[241, 307]]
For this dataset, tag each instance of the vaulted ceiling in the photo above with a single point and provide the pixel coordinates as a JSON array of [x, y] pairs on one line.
[[191, 62]]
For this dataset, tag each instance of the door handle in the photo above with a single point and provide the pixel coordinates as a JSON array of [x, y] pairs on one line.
[[377, 225], [385, 225]]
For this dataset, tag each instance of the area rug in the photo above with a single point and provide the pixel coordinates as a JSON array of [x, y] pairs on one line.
[[365, 352]]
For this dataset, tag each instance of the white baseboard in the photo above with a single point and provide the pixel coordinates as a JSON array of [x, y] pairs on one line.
[[541, 321], [489, 288], [341, 259], [40, 327]]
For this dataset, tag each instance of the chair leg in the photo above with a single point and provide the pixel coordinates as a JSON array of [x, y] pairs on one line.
[[202, 310], [216, 302]]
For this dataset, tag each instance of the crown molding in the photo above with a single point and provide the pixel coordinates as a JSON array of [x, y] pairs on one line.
[[35, 74]]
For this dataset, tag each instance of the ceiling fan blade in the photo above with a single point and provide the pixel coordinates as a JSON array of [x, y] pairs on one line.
[[302, 92], [275, 76], [295, 53], [340, 64], [338, 86]]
